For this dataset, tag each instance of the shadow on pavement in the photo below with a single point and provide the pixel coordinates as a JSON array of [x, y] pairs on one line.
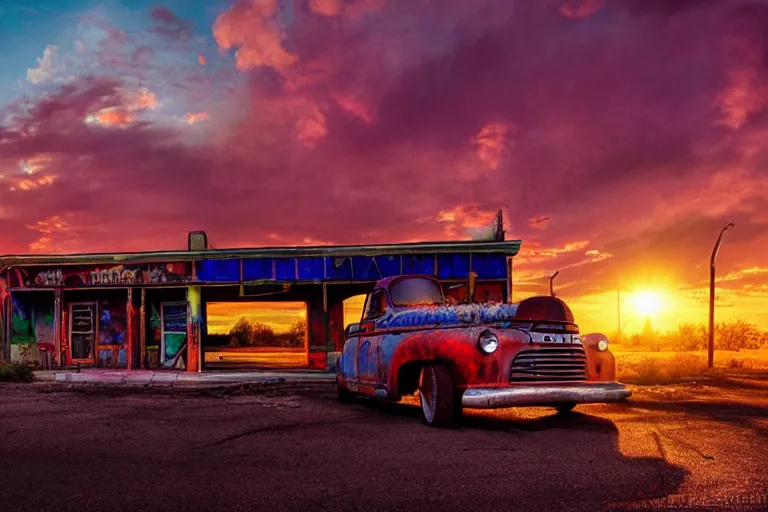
[[560, 461], [734, 413]]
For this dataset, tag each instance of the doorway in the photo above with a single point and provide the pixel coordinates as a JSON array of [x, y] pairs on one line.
[[83, 326]]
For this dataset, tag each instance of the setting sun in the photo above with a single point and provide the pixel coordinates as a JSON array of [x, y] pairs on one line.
[[646, 303]]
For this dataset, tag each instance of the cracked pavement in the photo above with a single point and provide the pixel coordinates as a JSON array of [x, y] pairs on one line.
[[293, 447]]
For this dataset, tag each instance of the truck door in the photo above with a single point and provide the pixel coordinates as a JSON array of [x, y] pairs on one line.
[[369, 343]]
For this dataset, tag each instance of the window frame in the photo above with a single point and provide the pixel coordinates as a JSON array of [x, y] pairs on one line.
[[425, 278], [366, 316]]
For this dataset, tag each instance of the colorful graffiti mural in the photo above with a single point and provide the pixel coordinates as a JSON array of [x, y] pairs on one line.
[[120, 275], [31, 320], [117, 275], [49, 278]]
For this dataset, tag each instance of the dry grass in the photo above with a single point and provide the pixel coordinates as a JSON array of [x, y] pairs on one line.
[[671, 367]]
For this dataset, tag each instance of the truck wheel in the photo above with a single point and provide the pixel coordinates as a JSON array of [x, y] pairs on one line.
[[437, 396], [565, 408], [345, 395]]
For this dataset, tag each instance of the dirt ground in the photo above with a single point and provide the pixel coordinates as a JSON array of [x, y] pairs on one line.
[[699, 446]]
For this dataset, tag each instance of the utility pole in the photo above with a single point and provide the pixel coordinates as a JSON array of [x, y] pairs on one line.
[[715, 251], [618, 314]]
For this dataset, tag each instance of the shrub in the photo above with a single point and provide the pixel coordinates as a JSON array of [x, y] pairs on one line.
[[16, 372]]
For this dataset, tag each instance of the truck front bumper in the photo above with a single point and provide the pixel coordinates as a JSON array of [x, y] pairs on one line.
[[520, 396]]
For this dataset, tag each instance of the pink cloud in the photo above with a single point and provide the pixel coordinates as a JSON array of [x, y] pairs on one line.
[[356, 122]]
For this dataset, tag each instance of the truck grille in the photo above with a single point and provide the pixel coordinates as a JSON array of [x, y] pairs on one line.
[[549, 364]]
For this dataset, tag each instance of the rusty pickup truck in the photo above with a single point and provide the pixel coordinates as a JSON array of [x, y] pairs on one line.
[[474, 356]]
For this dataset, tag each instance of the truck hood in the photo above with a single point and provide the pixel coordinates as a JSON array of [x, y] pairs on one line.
[[441, 316]]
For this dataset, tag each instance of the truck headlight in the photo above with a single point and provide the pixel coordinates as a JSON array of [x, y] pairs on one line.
[[602, 345], [488, 342]]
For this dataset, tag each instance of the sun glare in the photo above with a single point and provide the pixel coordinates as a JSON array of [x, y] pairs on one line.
[[646, 302]]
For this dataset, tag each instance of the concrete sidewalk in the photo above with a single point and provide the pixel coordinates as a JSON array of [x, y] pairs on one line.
[[179, 378]]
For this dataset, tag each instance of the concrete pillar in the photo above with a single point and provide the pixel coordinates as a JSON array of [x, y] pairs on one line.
[[194, 338], [58, 335], [143, 330], [130, 331], [318, 337], [5, 341]]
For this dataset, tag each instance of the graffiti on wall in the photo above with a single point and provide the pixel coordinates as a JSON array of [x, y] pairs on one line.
[[113, 276], [172, 273], [49, 278], [119, 275]]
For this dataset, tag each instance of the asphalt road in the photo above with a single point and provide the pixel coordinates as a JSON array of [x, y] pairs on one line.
[[283, 447]]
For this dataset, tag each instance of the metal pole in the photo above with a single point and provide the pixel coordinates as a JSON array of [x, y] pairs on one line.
[[618, 315], [551, 285], [711, 341]]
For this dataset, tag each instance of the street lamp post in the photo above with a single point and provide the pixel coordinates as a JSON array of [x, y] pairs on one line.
[[618, 314], [551, 286], [715, 251]]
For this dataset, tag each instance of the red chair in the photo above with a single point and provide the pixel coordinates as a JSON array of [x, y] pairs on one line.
[[46, 354]]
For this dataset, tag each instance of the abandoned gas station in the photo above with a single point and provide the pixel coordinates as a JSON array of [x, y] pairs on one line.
[[154, 309]]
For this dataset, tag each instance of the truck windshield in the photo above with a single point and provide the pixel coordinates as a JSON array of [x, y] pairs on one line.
[[416, 291]]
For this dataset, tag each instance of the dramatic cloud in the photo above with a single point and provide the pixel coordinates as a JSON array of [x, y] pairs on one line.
[[254, 28], [617, 137]]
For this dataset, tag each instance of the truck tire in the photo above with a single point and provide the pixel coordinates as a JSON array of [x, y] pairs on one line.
[[438, 397], [565, 408]]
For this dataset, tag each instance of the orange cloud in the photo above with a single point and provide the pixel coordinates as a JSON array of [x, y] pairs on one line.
[[114, 116], [581, 9], [744, 273], [311, 129], [252, 27], [491, 143], [192, 118], [529, 256], [308, 240], [468, 219], [30, 184], [353, 106], [55, 235], [132, 102]]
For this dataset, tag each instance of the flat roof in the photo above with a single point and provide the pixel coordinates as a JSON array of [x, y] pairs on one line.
[[509, 247]]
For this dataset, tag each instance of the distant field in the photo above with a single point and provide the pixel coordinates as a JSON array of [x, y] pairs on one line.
[[638, 367]]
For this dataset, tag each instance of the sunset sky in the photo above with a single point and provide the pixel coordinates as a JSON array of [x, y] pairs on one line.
[[618, 136], [281, 316]]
